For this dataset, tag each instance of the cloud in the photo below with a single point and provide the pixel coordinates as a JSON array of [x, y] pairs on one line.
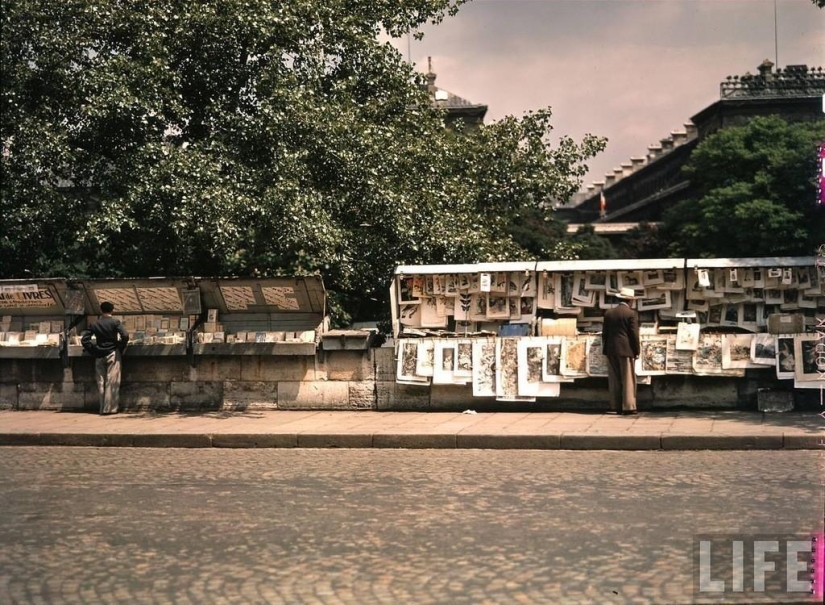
[[631, 70]]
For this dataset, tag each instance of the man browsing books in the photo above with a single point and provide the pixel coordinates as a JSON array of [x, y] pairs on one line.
[[111, 339], [620, 338]]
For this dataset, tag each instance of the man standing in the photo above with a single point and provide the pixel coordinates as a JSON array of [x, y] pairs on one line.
[[620, 343], [111, 339]]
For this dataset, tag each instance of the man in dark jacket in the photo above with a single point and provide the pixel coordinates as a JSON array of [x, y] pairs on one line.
[[620, 343], [110, 341]]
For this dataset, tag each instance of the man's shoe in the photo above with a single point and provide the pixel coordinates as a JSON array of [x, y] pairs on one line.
[[629, 412]]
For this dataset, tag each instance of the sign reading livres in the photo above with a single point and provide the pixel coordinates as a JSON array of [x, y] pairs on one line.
[[28, 298]]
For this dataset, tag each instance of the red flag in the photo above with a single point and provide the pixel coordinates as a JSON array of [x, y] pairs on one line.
[[602, 204]]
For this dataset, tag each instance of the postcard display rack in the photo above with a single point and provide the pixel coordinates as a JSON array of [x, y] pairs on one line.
[[517, 331], [33, 317]]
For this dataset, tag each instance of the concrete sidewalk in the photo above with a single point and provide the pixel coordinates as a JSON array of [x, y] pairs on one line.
[[655, 430]]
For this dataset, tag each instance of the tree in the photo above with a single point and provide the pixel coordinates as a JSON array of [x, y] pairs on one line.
[[250, 138], [756, 193]]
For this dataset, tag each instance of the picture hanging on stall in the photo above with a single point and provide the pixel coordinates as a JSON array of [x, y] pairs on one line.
[[763, 349], [687, 336], [810, 362], [531, 353], [785, 358], [707, 359], [552, 360], [596, 360], [596, 280], [678, 361], [497, 307], [736, 351], [653, 355], [407, 363], [547, 292], [425, 362], [574, 357], [484, 368], [464, 359]]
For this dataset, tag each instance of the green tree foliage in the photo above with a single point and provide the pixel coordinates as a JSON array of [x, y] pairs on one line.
[[756, 193], [251, 138]]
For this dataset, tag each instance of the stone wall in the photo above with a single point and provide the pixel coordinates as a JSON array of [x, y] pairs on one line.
[[339, 380]]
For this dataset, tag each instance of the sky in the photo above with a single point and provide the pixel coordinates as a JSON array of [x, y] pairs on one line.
[[629, 70]]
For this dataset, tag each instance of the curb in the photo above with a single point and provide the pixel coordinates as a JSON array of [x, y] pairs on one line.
[[564, 441]]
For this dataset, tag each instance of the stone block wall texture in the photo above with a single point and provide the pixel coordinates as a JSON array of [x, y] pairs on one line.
[[330, 380]]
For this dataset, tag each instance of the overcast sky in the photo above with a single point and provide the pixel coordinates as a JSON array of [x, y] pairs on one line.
[[630, 70]]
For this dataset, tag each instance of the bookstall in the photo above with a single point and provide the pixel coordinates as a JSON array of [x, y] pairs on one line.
[[516, 332]]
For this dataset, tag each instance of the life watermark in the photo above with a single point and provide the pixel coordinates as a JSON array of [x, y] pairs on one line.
[[769, 565]]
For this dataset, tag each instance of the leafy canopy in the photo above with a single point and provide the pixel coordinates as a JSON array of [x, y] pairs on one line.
[[756, 193], [253, 138]]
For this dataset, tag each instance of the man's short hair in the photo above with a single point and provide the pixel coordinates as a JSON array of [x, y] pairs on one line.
[[107, 307]]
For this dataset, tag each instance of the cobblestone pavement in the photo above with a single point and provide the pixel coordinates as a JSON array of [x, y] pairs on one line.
[[85, 525]]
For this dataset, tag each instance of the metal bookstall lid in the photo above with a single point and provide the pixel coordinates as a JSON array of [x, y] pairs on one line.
[[142, 296], [281, 303], [631, 264], [466, 268], [772, 261], [41, 298]]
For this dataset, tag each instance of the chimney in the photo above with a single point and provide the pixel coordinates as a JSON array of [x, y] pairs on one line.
[[618, 173], [598, 186], [627, 168], [654, 151], [667, 144], [430, 76], [609, 179], [678, 137], [690, 129], [591, 189], [638, 162], [766, 69]]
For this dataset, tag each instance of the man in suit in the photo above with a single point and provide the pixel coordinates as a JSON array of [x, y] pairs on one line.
[[620, 343], [111, 339]]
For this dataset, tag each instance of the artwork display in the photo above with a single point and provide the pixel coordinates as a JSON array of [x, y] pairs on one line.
[[483, 328]]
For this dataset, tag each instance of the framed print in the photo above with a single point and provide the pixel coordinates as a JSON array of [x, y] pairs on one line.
[[429, 314], [630, 279], [484, 367], [612, 283], [464, 359], [678, 362], [749, 318], [773, 296], [607, 301], [478, 307], [417, 286], [507, 371], [672, 279], [408, 362], [736, 351], [707, 359], [731, 315], [564, 291], [596, 360], [497, 307], [785, 357], [763, 349], [462, 305], [547, 292], [551, 370], [652, 277], [527, 308], [444, 363], [595, 280], [450, 285], [653, 355], [410, 315], [687, 336], [405, 291], [425, 362], [582, 297], [499, 283], [810, 361], [531, 353], [657, 299], [574, 357]]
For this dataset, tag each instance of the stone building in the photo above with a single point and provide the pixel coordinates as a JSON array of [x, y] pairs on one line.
[[644, 186]]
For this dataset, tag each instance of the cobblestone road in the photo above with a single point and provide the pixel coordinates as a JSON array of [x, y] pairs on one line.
[[83, 525]]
